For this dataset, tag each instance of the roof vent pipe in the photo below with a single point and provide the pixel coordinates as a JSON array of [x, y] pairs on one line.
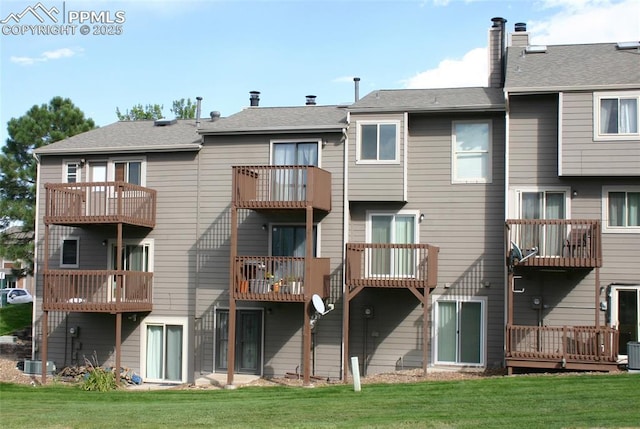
[[198, 107], [311, 100], [356, 84], [520, 27], [215, 115], [254, 98]]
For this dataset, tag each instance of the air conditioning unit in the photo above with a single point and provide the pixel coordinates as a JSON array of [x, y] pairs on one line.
[[35, 367]]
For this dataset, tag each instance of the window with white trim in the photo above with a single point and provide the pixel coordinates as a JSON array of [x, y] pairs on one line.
[[392, 228], [471, 152], [164, 349], [460, 331], [616, 115], [70, 252], [378, 141], [72, 172], [128, 171], [621, 209], [547, 203]]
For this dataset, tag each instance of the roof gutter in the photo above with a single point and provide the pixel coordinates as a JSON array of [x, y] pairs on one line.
[[111, 150], [400, 109], [568, 88], [282, 130]]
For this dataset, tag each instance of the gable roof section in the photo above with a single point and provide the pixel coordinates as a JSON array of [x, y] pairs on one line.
[[572, 67], [254, 120], [129, 136], [427, 100]]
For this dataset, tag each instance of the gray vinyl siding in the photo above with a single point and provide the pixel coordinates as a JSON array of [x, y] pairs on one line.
[[375, 181], [465, 220], [584, 156], [282, 348], [533, 140]]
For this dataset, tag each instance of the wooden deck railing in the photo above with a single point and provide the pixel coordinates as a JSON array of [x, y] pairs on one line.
[[281, 187], [561, 243], [97, 290], [569, 344], [279, 278], [100, 202], [391, 265]]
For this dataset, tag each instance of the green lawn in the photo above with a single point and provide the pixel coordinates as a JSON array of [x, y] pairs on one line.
[[510, 402], [14, 317]]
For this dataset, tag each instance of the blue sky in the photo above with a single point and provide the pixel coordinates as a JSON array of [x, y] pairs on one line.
[[221, 50]]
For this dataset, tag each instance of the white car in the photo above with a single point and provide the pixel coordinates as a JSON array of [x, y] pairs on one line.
[[17, 296]]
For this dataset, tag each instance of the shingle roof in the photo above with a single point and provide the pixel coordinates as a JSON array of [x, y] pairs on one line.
[[439, 99], [588, 66], [263, 119], [129, 136]]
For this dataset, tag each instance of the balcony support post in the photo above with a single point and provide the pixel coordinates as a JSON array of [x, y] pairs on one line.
[[45, 340], [425, 330], [231, 345], [597, 293], [306, 335], [118, 345]]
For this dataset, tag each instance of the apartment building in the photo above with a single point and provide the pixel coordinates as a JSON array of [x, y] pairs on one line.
[[289, 239], [573, 195]]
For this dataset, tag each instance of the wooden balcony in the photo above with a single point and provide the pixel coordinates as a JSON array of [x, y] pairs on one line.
[[562, 347], [561, 243], [277, 278], [99, 203], [281, 187], [391, 265], [97, 291]]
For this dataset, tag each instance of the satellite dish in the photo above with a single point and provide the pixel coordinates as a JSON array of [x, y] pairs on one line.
[[516, 252], [517, 256], [318, 303]]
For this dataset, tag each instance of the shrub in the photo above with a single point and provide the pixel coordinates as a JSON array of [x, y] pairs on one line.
[[97, 378]]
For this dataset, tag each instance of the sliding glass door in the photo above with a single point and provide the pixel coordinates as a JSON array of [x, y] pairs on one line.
[[290, 184], [459, 332]]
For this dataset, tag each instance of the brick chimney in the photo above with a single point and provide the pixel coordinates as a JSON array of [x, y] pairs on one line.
[[497, 49]]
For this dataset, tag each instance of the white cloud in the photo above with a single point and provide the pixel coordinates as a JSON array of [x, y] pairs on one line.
[[46, 56], [454, 73], [343, 79], [570, 22], [594, 21]]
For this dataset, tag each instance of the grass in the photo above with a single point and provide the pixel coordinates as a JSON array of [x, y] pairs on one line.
[[14, 317], [513, 402]]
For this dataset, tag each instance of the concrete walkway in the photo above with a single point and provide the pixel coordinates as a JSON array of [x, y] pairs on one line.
[[220, 380]]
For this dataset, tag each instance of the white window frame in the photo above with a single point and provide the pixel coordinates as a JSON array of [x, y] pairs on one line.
[[483, 329], [65, 170], [136, 242], [164, 321], [613, 307], [605, 211], [285, 141], [597, 97], [407, 213], [515, 203], [77, 264], [489, 153], [111, 168], [359, 160]]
